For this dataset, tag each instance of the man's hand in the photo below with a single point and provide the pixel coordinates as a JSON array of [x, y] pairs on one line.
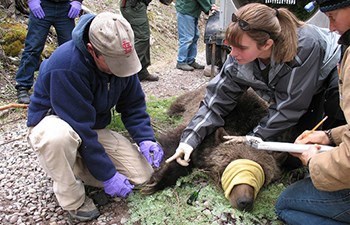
[[35, 7], [118, 185], [149, 149], [74, 9], [214, 7], [308, 154], [316, 137], [184, 150]]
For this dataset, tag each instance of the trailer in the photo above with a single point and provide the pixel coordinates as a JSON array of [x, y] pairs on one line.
[[217, 51]]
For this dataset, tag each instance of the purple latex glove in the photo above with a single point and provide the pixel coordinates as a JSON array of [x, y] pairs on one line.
[[149, 148], [74, 9], [35, 7], [118, 185]]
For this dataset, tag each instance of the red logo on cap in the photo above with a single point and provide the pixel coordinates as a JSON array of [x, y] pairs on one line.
[[127, 46]]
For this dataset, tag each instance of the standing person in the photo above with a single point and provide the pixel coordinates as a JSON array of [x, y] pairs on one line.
[[324, 197], [188, 12], [135, 12], [71, 108], [287, 62], [43, 14]]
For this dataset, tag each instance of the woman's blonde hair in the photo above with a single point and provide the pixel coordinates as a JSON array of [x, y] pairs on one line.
[[264, 23]]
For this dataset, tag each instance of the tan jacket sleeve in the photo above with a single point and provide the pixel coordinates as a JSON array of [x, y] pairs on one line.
[[337, 133], [330, 170]]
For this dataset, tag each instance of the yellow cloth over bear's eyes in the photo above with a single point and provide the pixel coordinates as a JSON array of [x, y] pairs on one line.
[[242, 171]]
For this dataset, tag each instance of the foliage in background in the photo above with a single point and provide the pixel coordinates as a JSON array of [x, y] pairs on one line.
[[116, 123], [157, 109], [12, 37]]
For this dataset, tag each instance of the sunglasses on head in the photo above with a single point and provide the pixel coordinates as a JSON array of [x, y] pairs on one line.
[[244, 25]]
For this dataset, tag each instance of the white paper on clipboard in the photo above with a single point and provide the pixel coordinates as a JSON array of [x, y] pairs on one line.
[[258, 143]]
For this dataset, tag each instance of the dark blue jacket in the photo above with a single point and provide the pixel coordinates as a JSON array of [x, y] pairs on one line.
[[70, 84]]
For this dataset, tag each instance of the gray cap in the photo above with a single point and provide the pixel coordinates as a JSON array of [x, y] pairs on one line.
[[112, 35]]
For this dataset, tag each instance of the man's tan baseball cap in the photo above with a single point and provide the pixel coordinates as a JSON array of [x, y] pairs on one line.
[[112, 35]]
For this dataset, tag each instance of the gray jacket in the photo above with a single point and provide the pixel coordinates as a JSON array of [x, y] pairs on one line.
[[289, 89]]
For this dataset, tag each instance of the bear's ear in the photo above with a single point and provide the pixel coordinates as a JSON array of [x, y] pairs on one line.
[[219, 135]]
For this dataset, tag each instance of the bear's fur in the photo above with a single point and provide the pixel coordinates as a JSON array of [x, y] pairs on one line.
[[214, 154]]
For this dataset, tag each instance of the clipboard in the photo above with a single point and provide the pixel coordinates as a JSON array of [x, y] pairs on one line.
[[258, 143]]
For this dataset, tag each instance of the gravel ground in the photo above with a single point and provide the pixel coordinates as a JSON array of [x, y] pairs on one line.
[[26, 195], [173, 82]]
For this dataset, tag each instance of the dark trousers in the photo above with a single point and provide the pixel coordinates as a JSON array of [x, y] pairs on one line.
[[137, 17], [332, 109]]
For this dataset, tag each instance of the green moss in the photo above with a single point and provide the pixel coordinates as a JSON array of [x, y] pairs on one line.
[[13, 49], [48, 50], [13, 36]]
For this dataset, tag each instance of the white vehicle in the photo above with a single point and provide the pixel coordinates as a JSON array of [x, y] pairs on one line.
[[216, 50]]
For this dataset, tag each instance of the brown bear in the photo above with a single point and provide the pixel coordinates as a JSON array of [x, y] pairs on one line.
[[219, 158]]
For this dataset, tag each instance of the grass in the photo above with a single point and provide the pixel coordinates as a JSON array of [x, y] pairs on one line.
[[157, 109], [169, 206]]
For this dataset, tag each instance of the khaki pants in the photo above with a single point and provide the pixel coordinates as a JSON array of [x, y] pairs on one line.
[[56, 145]]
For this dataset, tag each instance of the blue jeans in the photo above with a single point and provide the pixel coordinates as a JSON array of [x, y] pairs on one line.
[[301, 203], [187, 28], [56, 14]]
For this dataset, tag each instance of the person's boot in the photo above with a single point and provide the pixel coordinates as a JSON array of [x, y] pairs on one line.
[[207, 71], [145, 75], [87, 211], [184, 67], [23, 95], [151, 77], [197, 66]]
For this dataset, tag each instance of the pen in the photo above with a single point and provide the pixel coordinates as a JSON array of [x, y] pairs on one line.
[[319, 124]]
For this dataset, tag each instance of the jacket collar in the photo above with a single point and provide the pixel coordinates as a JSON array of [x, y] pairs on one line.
[[345, 38]]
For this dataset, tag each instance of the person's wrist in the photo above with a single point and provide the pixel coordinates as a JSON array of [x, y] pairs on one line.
[[329, 135], [110, 180], [307, 167], [185, 146], [308, 163]]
